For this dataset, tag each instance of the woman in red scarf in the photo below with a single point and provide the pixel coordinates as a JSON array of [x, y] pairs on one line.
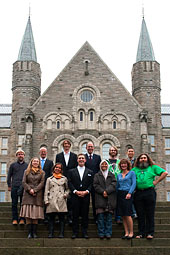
[[55, 197]]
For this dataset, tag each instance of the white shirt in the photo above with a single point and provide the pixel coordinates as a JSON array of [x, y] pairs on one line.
[[81, 171], [66, 157]]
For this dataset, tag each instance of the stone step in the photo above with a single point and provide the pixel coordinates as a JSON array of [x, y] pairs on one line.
[[68, 233], [80, 242], [5, 226], [156, 250]]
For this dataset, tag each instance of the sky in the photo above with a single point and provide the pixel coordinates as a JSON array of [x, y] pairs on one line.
[[61, 27]]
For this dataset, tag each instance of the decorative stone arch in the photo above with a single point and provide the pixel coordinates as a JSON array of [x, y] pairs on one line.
[[110, 139], [82, 87], [57, 144], [80, 140]]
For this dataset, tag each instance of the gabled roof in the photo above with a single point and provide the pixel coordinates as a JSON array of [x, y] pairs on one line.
[[145, 51], [27, 50]]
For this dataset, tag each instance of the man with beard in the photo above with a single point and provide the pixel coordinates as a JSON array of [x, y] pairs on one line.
[[145, 195], [113, 163], [14, 181]]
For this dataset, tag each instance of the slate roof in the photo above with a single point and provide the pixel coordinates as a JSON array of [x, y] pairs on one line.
[[145, 51], [27, 50]]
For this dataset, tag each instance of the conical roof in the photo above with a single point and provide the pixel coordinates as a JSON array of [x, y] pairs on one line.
[[145, 50], [27, 50]]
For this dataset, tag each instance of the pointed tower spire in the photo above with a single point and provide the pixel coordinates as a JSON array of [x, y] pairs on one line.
[[145, 51], [27, 50]]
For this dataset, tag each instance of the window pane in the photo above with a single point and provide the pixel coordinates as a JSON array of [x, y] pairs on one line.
[[114, 124], [167, 152], [167, 142], [4, 142], [81, 116], [168, 195], [4, 152], [105, 150], [2, 196], [83, 148], [21, 139], [3, 168], [91, 116], [2, 179], [58, 124], [86, 96], [151, 139]]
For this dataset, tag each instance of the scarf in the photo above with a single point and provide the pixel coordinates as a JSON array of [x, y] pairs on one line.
[[57, 176], [35, 169]]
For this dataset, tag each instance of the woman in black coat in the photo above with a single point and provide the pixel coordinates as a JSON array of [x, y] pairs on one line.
[[105, 199]]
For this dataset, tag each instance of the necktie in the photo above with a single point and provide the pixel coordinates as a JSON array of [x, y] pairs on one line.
[[42, 163], [90, 157]]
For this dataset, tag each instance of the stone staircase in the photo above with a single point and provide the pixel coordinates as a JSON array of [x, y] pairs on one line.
[[13, 239]]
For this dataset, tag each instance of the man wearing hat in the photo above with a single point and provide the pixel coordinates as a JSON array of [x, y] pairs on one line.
[[14, 181]]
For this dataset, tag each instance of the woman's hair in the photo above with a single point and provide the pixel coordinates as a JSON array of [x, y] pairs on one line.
[[150, 161], [125, 161], [29, 168], [58, 163]]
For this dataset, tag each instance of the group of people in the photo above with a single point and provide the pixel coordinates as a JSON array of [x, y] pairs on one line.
[[122, 188]]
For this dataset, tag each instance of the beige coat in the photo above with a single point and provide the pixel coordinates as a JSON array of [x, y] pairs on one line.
[[55, 190]]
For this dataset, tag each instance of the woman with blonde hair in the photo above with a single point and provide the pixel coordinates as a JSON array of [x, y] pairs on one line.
[[32, 202]]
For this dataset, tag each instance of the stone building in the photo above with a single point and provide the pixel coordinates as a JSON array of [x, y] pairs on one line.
[[86, 102]]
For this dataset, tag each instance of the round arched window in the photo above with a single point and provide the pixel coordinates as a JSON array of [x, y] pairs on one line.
[[86, 96]]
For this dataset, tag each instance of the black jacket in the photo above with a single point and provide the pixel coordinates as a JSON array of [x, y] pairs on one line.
[[72, 163], [75, 183]]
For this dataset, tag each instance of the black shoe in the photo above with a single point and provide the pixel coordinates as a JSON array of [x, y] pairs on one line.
[[74, 236], [101, 237], [125, 237], [129, 237], [50, 235], [30, 236], [85, 235]]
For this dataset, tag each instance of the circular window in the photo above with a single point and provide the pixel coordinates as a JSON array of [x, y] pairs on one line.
[[86, 96]]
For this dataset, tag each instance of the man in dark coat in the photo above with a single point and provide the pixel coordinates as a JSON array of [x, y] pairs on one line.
[[80, 183], [46, 164], [92, 162]]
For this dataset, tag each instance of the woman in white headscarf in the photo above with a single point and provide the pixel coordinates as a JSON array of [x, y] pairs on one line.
[[105, 199]]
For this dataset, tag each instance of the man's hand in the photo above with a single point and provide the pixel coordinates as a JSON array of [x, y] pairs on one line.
[[105, 194], [9, 188]]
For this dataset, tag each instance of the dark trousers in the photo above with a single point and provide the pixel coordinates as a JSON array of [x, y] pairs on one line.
[[93, 203], [80, 208], [14, 197], [145, 201]]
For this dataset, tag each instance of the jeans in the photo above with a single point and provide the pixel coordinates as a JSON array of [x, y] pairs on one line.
[[104, 223], [14, 197]]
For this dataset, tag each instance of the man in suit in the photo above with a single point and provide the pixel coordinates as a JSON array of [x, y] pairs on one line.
[[80, 183], [130, 156], [69, 161], [93, 163], [46, 164]]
